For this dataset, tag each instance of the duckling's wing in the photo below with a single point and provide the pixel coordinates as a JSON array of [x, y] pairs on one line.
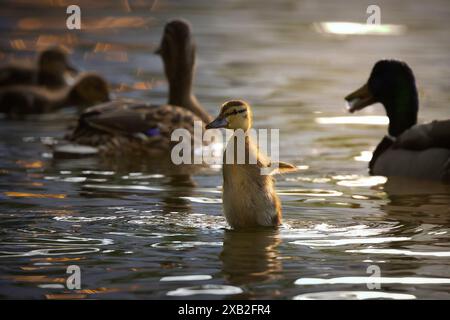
[[435, 134]]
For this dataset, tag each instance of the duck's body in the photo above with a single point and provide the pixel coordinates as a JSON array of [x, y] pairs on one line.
[[128, 127], [249, 197], [410, 150], [121, 127], [19, 101], [49, 71], [430, 163]]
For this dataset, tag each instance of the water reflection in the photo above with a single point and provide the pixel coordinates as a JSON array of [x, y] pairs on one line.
[[415, 202], [251, 256]]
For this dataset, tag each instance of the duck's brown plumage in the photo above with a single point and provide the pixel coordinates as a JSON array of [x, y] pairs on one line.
[[19, 101], [122, 127], [48, 71]]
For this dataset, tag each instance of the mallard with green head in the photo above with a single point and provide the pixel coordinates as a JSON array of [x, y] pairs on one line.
[[19, 101], [49, 71], [409, 149], [124, 127]]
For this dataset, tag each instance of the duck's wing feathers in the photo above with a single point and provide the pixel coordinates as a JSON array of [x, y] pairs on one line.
[[131, 120], [435, 134], [432, 163], [17, 74]]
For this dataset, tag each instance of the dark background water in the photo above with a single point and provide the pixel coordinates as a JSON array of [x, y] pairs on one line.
[[129, 224]]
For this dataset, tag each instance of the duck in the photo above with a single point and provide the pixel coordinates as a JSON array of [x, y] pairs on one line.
[[249, 197], [17, 102], [124, 127], [419, 151], [49, 71]]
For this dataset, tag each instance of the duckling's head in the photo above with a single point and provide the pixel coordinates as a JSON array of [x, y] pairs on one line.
[[391, 83], [234, 114], [54, 60], [177, 49], [89, 89]]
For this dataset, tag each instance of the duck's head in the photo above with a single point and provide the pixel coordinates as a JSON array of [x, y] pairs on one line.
[[89, 89], [177, 49], [234, 114], [54, 60], [391, 83]]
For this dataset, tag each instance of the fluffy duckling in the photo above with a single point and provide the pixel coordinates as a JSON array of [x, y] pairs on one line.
[[411, 150], [19, 101], [49, 71], [249, 197], [123, 127]]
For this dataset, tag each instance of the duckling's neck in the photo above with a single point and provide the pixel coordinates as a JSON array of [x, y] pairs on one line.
[[402, 111], [181, 94]]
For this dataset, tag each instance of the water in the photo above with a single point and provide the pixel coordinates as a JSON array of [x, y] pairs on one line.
[[142, 230]]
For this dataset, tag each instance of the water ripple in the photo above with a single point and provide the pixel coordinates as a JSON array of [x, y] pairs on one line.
[[194, 277], [49, 252], [371, 279], [353, 295], [402, 252], [213, 289], [343, 242]]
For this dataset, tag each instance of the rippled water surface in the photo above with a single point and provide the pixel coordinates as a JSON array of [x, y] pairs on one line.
[[139, 229]]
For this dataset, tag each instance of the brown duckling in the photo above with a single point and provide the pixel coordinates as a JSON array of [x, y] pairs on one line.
[[409, 149], [124, 127], [19, 101], [249, 197], [49, 71]]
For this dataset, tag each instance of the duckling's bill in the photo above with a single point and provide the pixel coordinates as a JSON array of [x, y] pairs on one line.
[[219, 122]]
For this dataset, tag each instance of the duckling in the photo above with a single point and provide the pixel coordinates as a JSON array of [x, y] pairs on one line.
[[49, 71], [18, 101], [411, 150], [123, 126], [249, 197]]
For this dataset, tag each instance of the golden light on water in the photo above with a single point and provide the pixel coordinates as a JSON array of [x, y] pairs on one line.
[[14, 194], [118, 22], [40, 279], [18, 44], [30, 164], [365, 120], [353, 28]]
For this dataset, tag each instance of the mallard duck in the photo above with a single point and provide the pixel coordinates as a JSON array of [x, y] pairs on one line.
[[419, 151], [124, 127], [249, 197], [19, 101], [49, 71]]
